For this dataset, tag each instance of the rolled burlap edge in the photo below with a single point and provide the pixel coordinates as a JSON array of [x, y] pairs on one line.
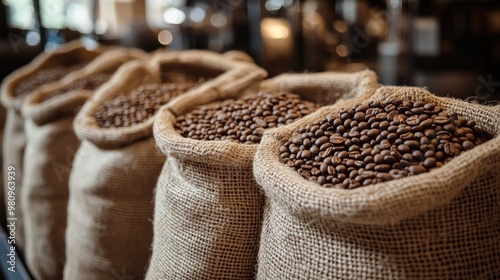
[[129, 76], [333, 85], [236, 76], [382, 203], [42, 110], [42, 61]]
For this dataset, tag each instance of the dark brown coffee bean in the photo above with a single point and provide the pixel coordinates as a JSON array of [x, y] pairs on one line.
[[341, 168], [467, 145], [45, 76], [305, 154], [450, 149], [427, 123], [392, 114], [367, 175], [389, 107], [359, 116], [429, 107], [441, 120], [387, 146], [450, 128], [383, 168], [315, 171], [390, 159], [314, 150], [417, 169], [337, 140], [373, 133], [403, 148], [413, 144], [417, 155], [362, 108], [370, 166], [239, 119], [320, 141], [430, 162], [412, 121], [337, 160], [384, 176]]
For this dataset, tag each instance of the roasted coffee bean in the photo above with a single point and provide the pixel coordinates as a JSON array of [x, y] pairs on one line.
[[145, 100], [380, 142], [90, 82], [416, 169], [46, 76], [251, 115]]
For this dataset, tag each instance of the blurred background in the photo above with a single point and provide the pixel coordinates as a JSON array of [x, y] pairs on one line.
[[450, 46]]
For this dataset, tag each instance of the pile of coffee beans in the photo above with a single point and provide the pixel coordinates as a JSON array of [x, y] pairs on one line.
[[378, 142], [90, 82], [140, 104], [46, 76], [243, 120]]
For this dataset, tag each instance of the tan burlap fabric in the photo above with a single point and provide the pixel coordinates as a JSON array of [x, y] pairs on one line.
[[13, 138], [110, 208], [440, 225], [208, 208], [48, 159]]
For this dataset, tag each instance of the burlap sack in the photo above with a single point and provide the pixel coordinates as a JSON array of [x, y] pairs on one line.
[[115, 170], [14, 138], [48, 160], [208, 208], [440, 225]]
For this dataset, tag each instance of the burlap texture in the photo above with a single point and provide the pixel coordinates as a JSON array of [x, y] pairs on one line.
[[48, 161], [13, 137], [111, 185], [208, 208], [440, 225]]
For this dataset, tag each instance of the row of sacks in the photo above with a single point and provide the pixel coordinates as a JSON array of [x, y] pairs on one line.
[[41, 143], [145, 202]]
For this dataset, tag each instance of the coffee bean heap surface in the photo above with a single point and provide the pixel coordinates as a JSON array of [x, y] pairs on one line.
[[139, 104], [378, 142], [46, 76], [243, 120], [90, 82]]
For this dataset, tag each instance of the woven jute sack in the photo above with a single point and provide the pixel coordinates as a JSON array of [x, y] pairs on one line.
[[13, 138], [48, 159], [115, 170], [208, 207], [439, 225]]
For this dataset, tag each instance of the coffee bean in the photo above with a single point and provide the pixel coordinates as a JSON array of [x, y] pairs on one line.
[[383, 168], [45, 76], [450, 149], [314, 150], [384, 176], [341, 168], [90, 82], [441, 120], [416, 169], [143, 108], [247, 118], [337, 139], [467, 145], [394, 139], [430, 162]]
